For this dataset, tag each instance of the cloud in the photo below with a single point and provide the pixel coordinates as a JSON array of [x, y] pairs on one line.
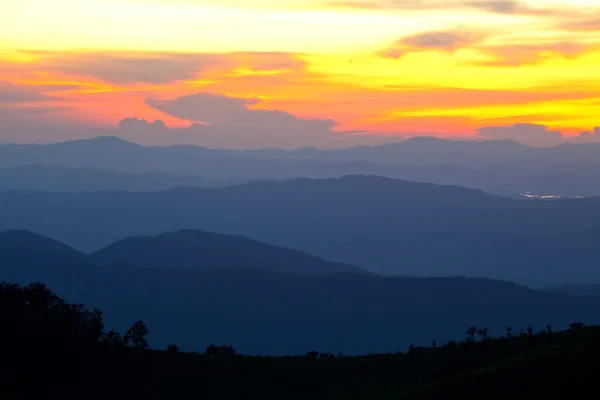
[[11, 93], [591, 134], [528, 134], [234, 112], [135, 124], [585, 25], [223, 121], [159, 67], [510, 7], [447, 41], [528, 54]]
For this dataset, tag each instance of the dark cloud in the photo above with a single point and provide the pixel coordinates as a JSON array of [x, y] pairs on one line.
[[448, 41], [235, 112], [528, 134], [591, 134], [16, 93], [136, 124], [159, 67], [236, 122]]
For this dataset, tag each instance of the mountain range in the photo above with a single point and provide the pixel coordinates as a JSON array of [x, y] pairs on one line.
[[267, 312], [108, 163], [184, 250], [382, 225]]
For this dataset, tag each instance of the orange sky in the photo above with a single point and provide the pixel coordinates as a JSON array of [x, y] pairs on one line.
[[381, 67]]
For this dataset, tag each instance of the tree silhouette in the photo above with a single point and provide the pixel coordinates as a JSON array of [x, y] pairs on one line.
[[113, 337], [172, 348], [136, 335], [213, 351], [509, 333], [471, 333], [576, 326], [483, 333]]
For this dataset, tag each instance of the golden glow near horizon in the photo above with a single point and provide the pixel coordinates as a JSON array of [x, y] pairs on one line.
[[382, 66]]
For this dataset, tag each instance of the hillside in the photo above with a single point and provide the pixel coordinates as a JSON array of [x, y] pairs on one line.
[[66, 349], [500, 167], [60, 179], [380, 224], [261, 312], [23, 240], [185, 249], [116, 153], [592, 289], [195, 250]]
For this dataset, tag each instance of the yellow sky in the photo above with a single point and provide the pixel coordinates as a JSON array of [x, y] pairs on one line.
[[383, 66]]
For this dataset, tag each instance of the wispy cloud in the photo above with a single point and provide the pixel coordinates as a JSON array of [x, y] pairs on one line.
[[157, 67], [509, 7], [448, 41]]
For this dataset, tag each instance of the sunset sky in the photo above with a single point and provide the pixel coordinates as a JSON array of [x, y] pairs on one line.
[[295, 73]]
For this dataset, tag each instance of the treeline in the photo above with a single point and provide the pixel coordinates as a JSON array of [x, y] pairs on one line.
[[52, 348], [33, 313]]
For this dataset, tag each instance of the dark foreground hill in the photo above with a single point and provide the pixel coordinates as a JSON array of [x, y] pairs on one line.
[[592, 289], [54, 349], [383, 225], [261, 312]]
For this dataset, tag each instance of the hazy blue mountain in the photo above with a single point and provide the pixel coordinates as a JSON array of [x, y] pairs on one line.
[[499, 167], [269, 313], [185, 249], [196, 250], [592, 290], [23, 240], [61, 179], [510, 182], [383, 225], [118, 154]]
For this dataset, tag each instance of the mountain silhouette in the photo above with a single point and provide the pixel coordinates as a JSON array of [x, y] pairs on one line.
[[500, 167], [23, 240], [261, 312], [195, 250], [60, 179], [379, 224]]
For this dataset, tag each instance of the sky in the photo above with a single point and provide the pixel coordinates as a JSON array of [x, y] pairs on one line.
[[297, 73]]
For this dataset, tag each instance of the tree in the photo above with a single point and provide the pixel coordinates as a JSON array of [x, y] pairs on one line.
[[483, 333], [136, 335], [509, 333], [213, 351], [172, 348], [576, 326], [471, 333], [113, 337]]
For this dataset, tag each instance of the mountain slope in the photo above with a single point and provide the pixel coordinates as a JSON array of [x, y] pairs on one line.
[[23, 240], [189, 249], [267, 313], [379, 224], [59, 179]]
